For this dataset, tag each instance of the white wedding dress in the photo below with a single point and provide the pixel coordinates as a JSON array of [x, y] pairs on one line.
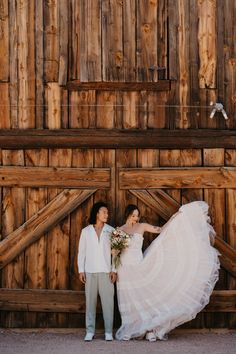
[[173, 280]]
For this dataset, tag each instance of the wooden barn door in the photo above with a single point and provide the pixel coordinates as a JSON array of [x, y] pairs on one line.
[[160, 181], [38, 250]]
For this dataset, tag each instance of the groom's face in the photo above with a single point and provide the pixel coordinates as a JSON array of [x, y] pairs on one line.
[[102, 214]]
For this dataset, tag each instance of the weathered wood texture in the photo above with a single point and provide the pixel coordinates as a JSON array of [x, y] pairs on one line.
[[55, 177], [76, 85], [112, 96], [135, 46], [194, 177], [157, 180], [115, 138], [74, 301], [56, 210]]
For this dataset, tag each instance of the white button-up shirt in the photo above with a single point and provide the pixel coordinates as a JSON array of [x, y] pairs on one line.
[[94, 254]]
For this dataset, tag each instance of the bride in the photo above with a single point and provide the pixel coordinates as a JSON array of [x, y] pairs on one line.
[[174, 278]]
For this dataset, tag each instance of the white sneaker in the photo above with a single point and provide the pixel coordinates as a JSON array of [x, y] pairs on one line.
[[88, 337], [150, 336], [126, 337], [108, 337]]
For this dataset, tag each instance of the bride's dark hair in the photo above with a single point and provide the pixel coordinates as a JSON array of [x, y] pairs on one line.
[[129, 210]]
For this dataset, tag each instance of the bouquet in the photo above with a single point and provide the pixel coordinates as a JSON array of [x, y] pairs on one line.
[[119, 241]]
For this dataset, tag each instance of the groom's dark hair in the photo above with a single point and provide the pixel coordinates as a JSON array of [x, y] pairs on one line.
[[95, 210]]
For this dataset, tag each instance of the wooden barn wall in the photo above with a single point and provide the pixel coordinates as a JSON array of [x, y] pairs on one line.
[[46, 44], [51, 262]]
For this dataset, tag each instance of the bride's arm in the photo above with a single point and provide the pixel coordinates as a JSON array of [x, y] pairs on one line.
[[157, 229], [151, 228]]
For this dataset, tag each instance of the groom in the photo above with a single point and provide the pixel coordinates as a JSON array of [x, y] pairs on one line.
[[95, 271]]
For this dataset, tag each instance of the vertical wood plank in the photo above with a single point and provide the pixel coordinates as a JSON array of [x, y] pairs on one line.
[[106, 158], [51, 40], [192, 157], [216, 197], [53, 105], [148, 158], [173, 60], [143, 110], [79, 220], [13, 66], [5, 121], [146, 36], [216, 200], [129, 40], [193, 66], [74, 40], [130, 99], [230, 160], [58, 241], [231, 225], [63, 41], [4, 41], [207, 43], [220, 43], [106, 109], [156, 110], [229, 12], [112, 46], [13, 216], [64, 109], [82, 112], [90, 39], [39, 62], [31, 120], [124, 158], [162, 28], [183, 52], [26, 61], [130, 110], [35, 255]]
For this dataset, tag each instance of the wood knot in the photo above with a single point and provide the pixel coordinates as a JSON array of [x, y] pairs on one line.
[[232, 61], [146, 28]]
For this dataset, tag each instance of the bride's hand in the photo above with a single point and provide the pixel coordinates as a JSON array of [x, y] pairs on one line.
[[115, 252]]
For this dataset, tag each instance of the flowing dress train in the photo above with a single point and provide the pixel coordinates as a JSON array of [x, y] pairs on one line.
[[174, 278]]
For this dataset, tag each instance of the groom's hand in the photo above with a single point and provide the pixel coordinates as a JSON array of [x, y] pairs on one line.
[[82, 278], [113, 277]]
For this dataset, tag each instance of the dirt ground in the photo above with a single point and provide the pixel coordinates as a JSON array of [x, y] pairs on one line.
[[59, 342]]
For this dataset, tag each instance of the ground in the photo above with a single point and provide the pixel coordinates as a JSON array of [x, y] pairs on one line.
[[70, 342]]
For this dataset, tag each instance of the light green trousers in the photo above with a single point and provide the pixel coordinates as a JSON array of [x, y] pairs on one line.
[[99, 283]]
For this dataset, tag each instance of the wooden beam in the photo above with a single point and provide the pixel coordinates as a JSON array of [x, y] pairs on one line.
[[222, 301], [41, 300], [54, 177], [115, 138], [191, 177], [161, 85], [158, 200], [63, 204], [228, 255]]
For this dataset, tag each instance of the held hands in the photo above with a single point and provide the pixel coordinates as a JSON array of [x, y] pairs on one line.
[[82, 278], [115, 252], [113, 277]]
